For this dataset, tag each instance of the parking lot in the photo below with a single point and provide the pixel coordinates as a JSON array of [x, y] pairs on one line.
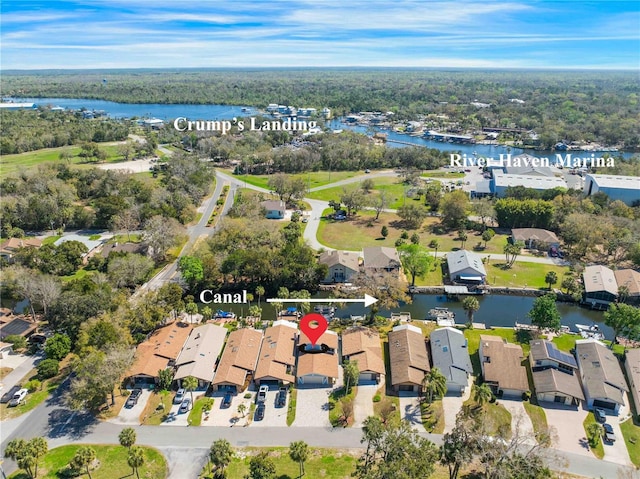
[[131, 416]]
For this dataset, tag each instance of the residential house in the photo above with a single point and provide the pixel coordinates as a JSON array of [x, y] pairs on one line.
[[158, 352], [616, 187], [5, 349], [200, 354], [502, 368], [408, 358], [630, 279], [318, 364], [600, 286], [92, 245], [380, 259], [450, 354], [555, 374], [466, 267], [9, 247], [18, 326], [277, 360], [363, 346], [343, 265], [275, 209], [602, 379], [535, 238], [632, 366], [238, 360]]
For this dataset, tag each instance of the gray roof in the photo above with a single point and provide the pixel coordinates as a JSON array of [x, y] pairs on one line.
[[599, 278], [277, 205], [551, 381], [535, 182], [616, 181], [601, 373], [632, 359], [536, 234], [89, 243], [527, 165], [542, 349], [381, 257], [348, 259], [200, 352], [463, 259], [450, 355]]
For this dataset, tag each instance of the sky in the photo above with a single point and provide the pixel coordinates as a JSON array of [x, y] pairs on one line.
[[50, 34]]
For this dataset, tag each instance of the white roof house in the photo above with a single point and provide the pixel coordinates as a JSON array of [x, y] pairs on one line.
[[465, 266]]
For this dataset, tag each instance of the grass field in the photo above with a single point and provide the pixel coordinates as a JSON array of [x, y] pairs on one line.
[[313, 179], [631, 434], [433, 276], [195, 415], [449, 175], [394, 189], [495, 418], [597, 448], [112, 463], [567, 342], [158, 406]]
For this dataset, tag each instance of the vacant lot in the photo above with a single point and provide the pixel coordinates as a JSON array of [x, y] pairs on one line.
[[313, 179]]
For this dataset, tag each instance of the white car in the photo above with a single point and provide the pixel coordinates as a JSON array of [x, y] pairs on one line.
[[18, 398]]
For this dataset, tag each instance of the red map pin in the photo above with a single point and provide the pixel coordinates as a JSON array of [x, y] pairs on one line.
[[313, 332]]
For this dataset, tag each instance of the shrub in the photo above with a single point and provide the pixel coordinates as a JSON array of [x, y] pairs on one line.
[[18, 341], [399, 242], [48, 368], [247, 396], [33, 385], [526, 396], [404, 235], [377, 398]]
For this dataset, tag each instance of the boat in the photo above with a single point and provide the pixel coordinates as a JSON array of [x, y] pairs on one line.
[[290, 312], [594, 328], [442, 316], [224, 315], [592, 335], [327, 311]]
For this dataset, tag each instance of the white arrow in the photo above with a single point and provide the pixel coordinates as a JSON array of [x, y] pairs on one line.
[[367, 300]]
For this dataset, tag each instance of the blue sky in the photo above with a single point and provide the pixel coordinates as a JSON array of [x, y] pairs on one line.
[[316, 33]]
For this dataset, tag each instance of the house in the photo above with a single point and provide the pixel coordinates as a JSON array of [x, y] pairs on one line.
[[158, 352], [555, 374], [632, 366], [275, 209], [379, 259], [535, 238], [238, 360], [318, 364], [200, 353], [502, 181], [277, 360], [623, 188], [600, 286], [602, 379], [408, 358], [363, 346], [343, 265], [502, 368], [5, 349], [630, 279], [466, 267], [9, 247], [450, 354], [18, 326]]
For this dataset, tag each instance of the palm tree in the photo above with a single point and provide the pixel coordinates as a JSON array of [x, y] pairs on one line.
[[135, 459], [551, 278], [242, 409], [435, 244], [470, 305], [127, 437], [434, 384], [191, 308], [39, 447], [594, 431], [482, 394], [462, 236], [190, 383], [220, 454], [83, 459], [299, 452], [259, 293], [207, 313]]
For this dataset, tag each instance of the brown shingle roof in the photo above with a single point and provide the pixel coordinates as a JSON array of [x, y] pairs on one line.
[[504, 367], [239, 357], [535, 234], [551, 381], [324, 364], [381, 257], [600, 370], [12, 244], [629, 278], [277, 352], [146, 363], [407, 355], [363, 345], [348, 259]]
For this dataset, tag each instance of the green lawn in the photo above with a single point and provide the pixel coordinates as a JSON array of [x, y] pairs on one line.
[[335, 406], [433, 276], [394, 189], [443, 174], [598, 449], [631, 434], [521, 273], [433, 416], [511, 335], [495, 418], [355, 233], [112, 460], [195, 416], [291, 410], [566, 342], [538, 418], [51, 239], [157, 408], [313, 179]]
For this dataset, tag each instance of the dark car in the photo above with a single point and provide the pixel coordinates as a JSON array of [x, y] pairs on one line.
[[281, 398], [609, 436], [226, 400], [259, 414], [6, 397], [132, 400], [600, 415]]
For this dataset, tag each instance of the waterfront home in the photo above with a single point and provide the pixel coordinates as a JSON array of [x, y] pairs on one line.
[[600, 286], [380, 259], [343, 265], [535, 237], [630, 279], [408, 358], [602, 379], [9, 247], [616, 187], [555, 374], [274, 209], [502, 367], [362, 345], [632, 366], [238, 360], [450, 354], [466, 267], [199, 354], [318, 364], [18, 326], [277, 360]]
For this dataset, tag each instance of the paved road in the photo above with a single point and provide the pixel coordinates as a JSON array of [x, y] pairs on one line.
[[19, 372]]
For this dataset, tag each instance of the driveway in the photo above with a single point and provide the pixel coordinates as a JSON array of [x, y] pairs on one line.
[[180, 419], [410, 410], [452, 403], [21, 365], [616, 452], [312, 407], [230, 416], [363, 404], [273, 416], [567, 430], [131, 416], [520, 421]]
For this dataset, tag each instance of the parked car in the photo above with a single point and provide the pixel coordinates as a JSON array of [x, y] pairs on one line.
[[132, 400], [8, 396], [185, 406], [305, 219], [281, 399], [609, 436], [367, 170], [600, 415], [226, 400], [259, 414], [553, 252], [18, 398], [262, 394], [179, 396]]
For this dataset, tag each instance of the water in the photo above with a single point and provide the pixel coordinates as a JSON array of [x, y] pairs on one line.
[[495, 310]]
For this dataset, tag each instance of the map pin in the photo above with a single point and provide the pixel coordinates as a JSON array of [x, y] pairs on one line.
[[313, 332]]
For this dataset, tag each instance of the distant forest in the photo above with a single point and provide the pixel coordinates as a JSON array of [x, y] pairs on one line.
[[569, 106]]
